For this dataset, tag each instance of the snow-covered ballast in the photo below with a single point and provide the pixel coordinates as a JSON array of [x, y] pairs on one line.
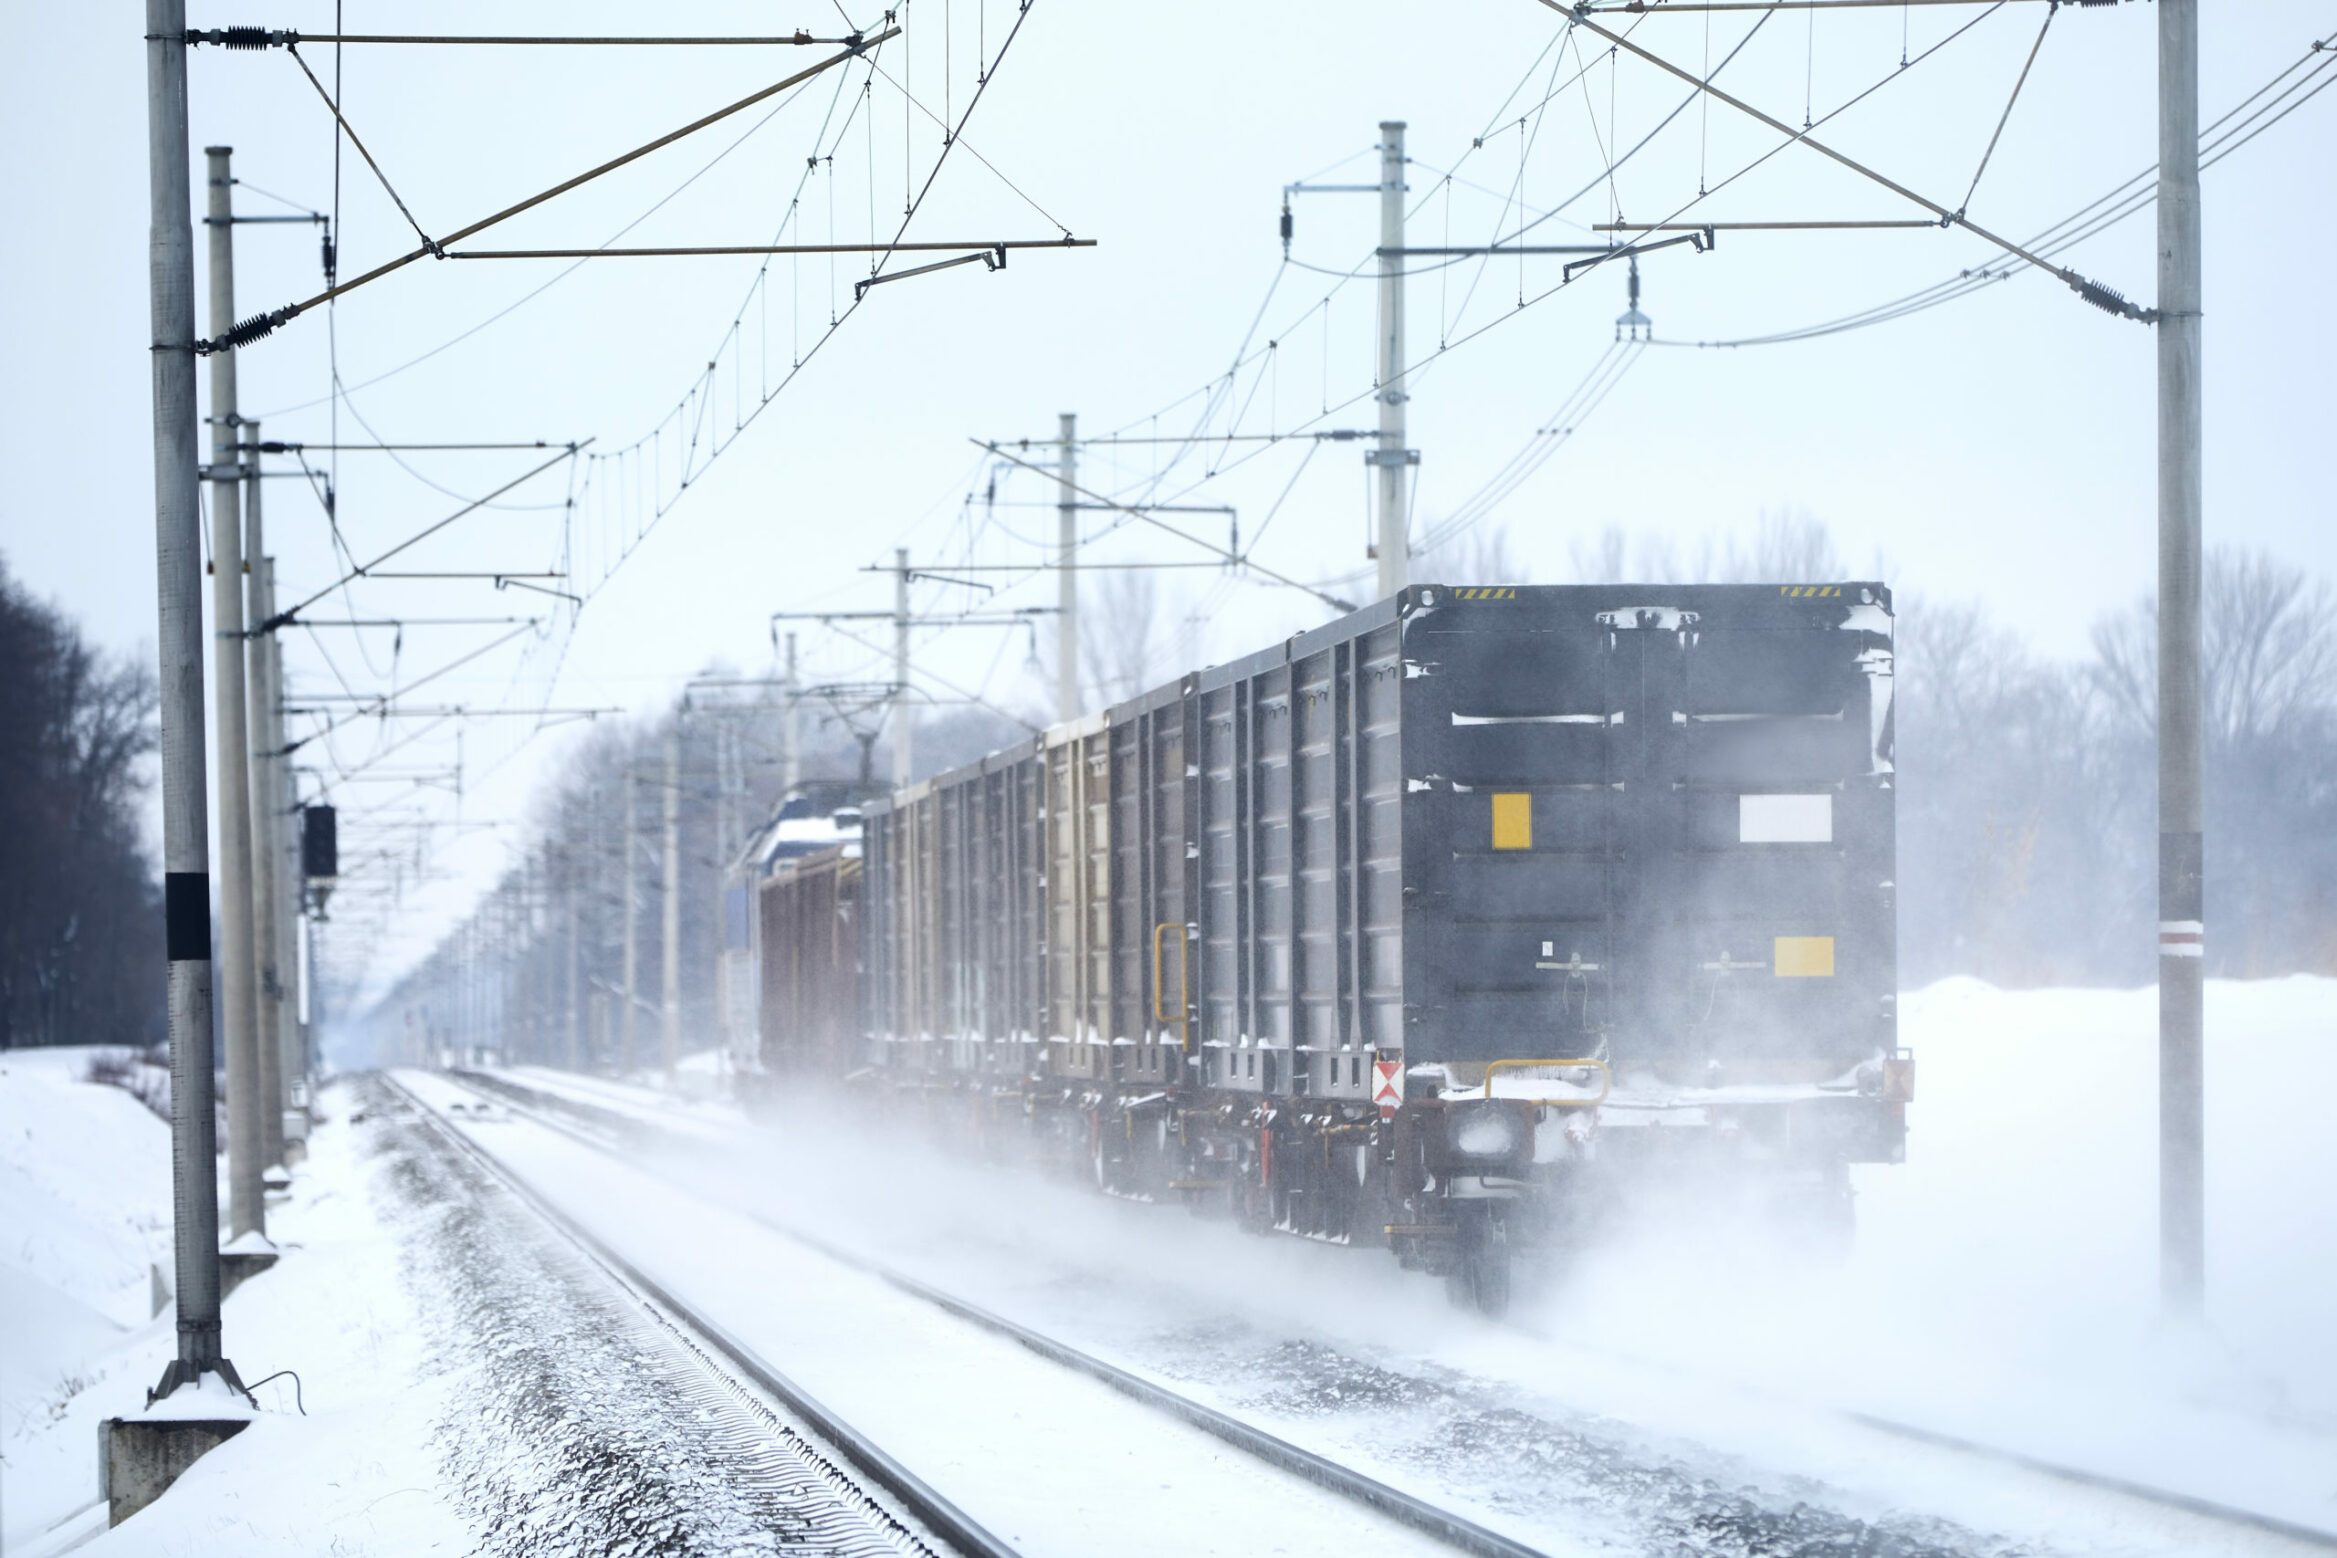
[[1429, 927]]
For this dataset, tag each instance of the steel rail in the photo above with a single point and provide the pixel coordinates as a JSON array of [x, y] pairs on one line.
[[948, 1521], [628, 1127], [1403, 1508], [2092, 291]]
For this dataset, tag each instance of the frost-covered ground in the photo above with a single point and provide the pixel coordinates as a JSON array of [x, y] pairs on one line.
[[1684, 1391], [2005, 1279], [84, 1200], [2003, 1289]]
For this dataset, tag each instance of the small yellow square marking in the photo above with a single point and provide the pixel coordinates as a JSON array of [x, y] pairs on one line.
[[1513, 821], [1805, 957]]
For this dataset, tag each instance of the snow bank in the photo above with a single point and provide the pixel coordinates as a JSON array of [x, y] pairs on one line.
[[84, 1184], [2003, 1286], [84, 1198], [2004, 1283]]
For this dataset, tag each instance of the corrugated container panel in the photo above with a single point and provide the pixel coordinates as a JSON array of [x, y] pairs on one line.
[[1169, 861], [1095, 754], [1224, 963], [1379, 848], [879, 954], [1027, 794], [809, 1001]]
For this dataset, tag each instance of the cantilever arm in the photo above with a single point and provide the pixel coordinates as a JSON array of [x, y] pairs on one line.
[[263, 324]]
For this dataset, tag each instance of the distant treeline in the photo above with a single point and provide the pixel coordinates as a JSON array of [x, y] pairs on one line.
[[2028, 807], [80, 907]]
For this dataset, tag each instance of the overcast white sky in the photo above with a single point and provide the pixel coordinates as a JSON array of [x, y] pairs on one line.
[[1998, 448]]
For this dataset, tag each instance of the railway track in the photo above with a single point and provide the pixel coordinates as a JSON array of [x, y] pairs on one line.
[[602, 1129], [605, 1127], [708, 1341], [1457, 1532]]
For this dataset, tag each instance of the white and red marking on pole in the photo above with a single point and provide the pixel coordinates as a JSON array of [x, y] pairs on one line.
[[2182, 938]]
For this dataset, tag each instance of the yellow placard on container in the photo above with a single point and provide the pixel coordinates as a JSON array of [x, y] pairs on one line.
[[1513, 821], [1805, 957]]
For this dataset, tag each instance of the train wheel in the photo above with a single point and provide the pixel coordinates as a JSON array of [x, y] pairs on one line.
[[1479, 1278]]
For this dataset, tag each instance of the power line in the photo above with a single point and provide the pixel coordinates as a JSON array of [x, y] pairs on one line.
[[2251, 117], [264, 324]]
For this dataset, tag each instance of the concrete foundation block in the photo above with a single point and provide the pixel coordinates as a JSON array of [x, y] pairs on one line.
[[144, 1456], [236, 1265]]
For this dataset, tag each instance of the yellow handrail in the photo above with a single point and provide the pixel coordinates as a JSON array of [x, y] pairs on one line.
[[1184, 987], [1606, 1082]]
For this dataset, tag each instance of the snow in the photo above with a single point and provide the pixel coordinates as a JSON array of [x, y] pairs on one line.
[[2004, 1284], [2002, 1289], [692, 1112], [84, 1196], [85, 1183], [1052, 1462]]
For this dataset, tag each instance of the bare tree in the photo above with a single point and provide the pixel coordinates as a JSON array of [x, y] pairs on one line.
[[1785, 545], [2268, 649], [1601, 561], [80, 913], [1473, 557], [2269, 689], [2016, 812], [1119, 635]]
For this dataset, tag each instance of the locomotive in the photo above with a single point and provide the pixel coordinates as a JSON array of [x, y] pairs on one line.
[[1437, 927]]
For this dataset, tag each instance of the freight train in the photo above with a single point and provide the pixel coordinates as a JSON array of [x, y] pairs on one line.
[[1437, 927]]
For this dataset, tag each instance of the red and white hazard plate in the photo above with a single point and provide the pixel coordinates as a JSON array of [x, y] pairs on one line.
[[1387, 1085]]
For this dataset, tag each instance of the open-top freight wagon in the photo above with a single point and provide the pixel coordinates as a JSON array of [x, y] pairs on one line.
[[1437, 926]]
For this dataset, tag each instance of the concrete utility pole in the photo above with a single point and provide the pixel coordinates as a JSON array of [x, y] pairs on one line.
[[632, 880], [671, 1029], [178, 548], [2181, 762], [1393, 457], [902, 734], [791, 774], [1067, 571], [266, 815], [246, 1191]]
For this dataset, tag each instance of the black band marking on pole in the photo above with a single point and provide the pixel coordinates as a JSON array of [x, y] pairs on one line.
[[186, 908]]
